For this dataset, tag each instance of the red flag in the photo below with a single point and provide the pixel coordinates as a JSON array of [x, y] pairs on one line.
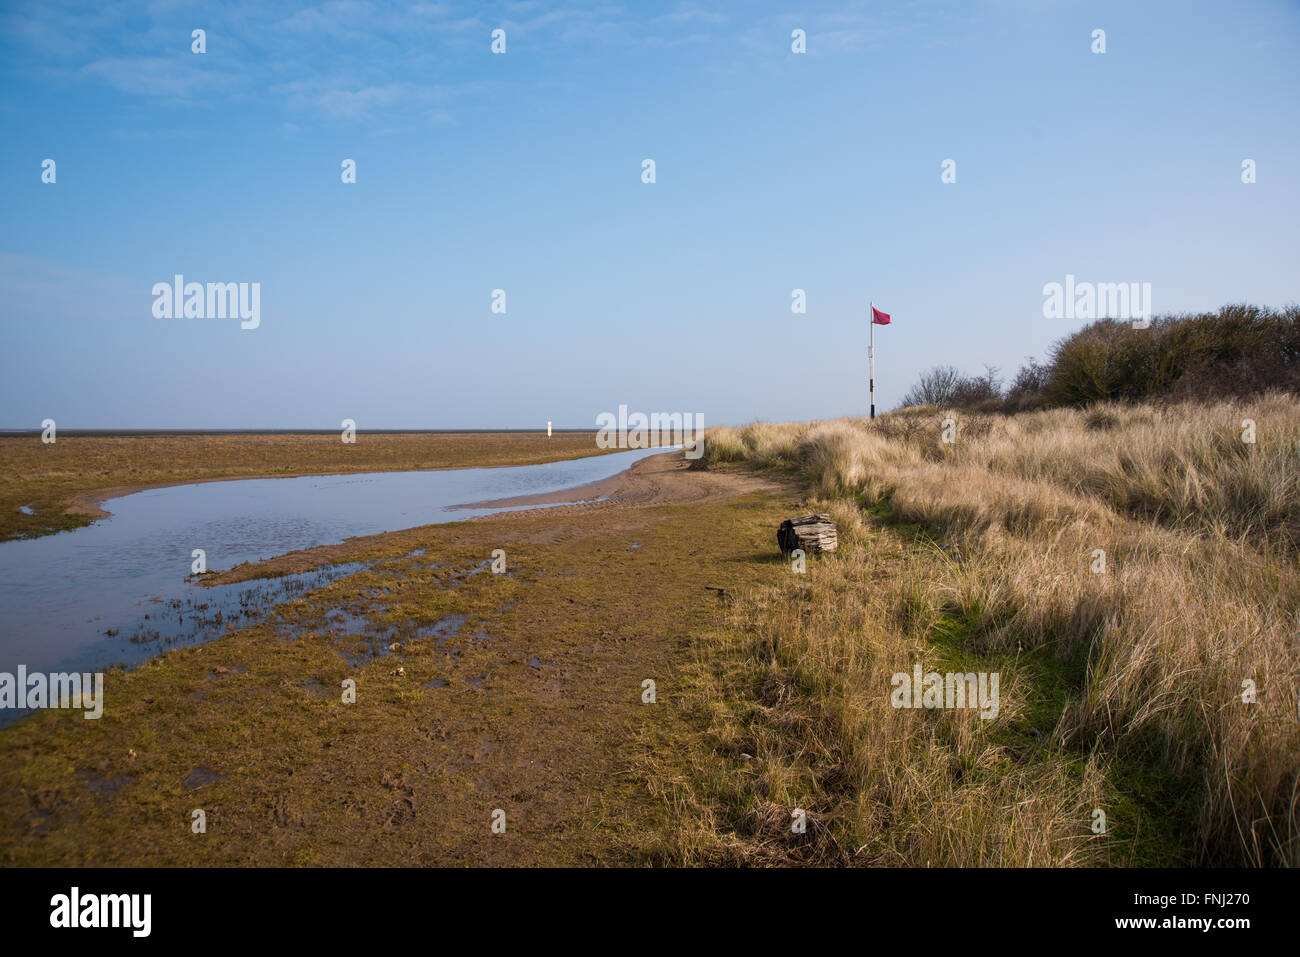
[[878, 317]]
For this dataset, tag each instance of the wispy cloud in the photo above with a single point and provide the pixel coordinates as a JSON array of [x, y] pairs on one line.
[[354, 103], [367, 61], [169, 78]]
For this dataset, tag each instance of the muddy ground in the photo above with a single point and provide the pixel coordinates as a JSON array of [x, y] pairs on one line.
[[478, 697]]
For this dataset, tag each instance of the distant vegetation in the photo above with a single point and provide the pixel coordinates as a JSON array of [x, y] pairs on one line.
[[1238, 351]]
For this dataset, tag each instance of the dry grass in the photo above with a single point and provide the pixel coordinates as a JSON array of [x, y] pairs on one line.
[[1121, 690]]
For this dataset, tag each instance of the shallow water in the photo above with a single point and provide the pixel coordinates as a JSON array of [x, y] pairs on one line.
[[115, 591]]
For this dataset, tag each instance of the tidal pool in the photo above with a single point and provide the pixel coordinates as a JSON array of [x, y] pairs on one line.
[[115, 592]]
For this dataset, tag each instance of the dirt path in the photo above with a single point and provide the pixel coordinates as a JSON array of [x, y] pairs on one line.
[[530, 703]]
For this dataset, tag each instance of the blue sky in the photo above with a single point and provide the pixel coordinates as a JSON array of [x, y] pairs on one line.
[[522, 171]]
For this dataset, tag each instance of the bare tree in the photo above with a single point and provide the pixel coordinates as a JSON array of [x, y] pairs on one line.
[[936, 386]]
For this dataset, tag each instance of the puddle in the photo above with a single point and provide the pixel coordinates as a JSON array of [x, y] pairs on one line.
[[361, 639], [339, 622], [442, 630], [199, 616], [26, 509], [459, 577], [105, 784], [201, 777], [222, 671]]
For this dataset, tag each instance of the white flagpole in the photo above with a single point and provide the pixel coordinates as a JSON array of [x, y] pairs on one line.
[[871, 353]]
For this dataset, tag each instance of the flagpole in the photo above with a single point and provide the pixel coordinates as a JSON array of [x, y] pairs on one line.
[[871, 353]]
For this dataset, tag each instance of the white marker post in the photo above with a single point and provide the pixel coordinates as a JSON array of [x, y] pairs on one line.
[[548, 429]]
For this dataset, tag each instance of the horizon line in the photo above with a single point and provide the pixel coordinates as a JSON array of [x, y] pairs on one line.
[[36, 432]]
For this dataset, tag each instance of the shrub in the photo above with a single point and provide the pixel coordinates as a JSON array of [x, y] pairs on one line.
[[935, 387]]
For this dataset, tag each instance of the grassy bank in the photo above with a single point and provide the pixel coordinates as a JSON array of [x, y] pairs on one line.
[[1122, 684], [55, 481]]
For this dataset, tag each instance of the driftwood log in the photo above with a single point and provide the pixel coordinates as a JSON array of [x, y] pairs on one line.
[[812, 533]]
